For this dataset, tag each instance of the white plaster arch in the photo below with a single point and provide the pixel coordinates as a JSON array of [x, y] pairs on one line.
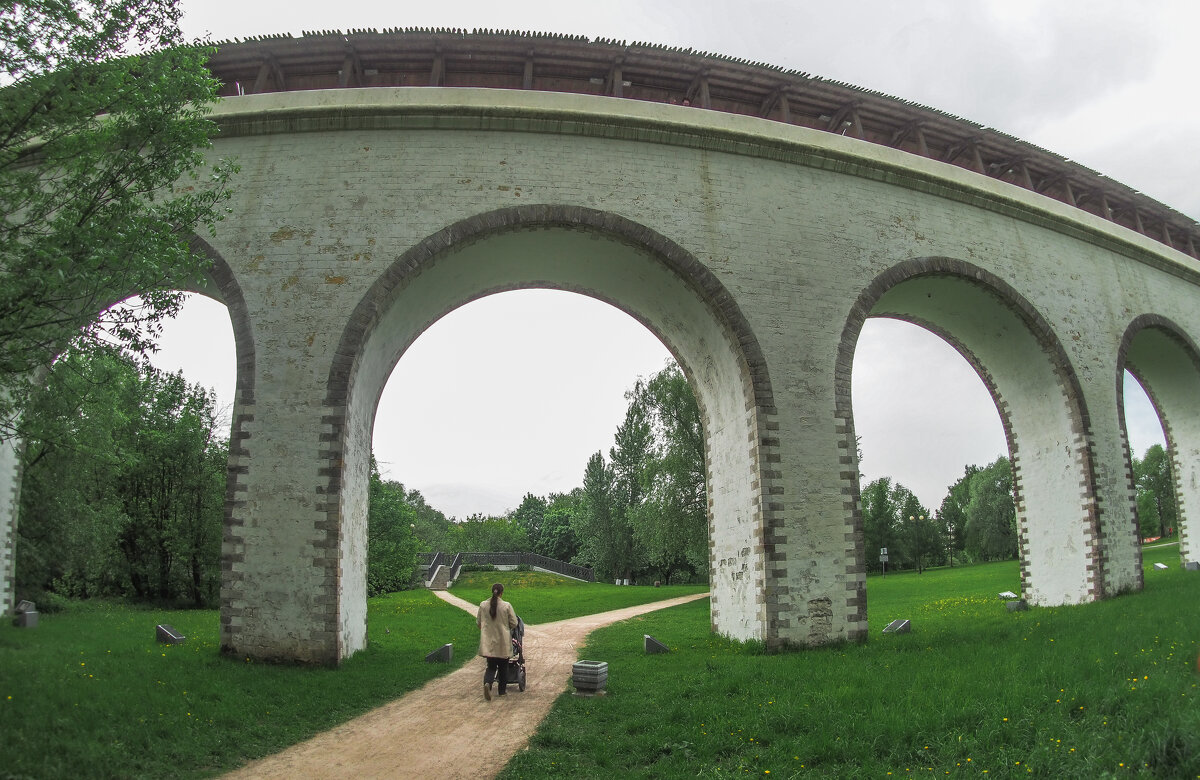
[[1021, 362], [616, 261], [1166, 361]]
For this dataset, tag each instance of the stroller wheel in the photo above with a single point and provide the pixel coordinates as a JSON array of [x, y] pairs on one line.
[[521, 679]]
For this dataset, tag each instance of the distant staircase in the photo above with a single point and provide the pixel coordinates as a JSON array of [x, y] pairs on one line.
[[441, 578]]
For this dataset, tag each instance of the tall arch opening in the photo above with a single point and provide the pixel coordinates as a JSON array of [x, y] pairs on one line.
[[928, 427], [106, 397], [1028, 376], [1166, 363], [607, 258], [507, 395]]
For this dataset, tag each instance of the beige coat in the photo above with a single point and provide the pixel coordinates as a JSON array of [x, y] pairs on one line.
[[494, 639]]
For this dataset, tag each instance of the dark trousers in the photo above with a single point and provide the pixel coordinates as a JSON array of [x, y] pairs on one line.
[[496, 670]]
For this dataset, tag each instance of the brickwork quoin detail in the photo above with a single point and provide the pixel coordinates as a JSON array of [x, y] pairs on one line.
[[1008, 343]]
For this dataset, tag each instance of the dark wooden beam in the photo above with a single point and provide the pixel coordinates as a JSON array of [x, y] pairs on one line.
[[527, 80], [969, 147], [615, 79], [270, 67], [437, 74], [351, 73], [698, 93]]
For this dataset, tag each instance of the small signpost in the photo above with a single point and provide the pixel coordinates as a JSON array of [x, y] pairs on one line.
[[883, 558]]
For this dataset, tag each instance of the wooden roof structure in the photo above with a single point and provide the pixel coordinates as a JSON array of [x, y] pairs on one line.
[[502, 59]]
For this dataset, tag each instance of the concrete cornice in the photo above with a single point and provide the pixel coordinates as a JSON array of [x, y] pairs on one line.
[[449, 109]]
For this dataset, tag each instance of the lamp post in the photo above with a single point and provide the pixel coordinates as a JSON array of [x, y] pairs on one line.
[[916, 526]]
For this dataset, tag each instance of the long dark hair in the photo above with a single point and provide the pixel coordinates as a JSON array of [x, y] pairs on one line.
[[497, 589]]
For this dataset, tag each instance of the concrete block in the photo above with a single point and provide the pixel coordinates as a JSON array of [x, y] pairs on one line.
[[589, 676], [443, 654], [1161, 566], [1191, 566], [898, 627], [1020, 605], [26, 619]]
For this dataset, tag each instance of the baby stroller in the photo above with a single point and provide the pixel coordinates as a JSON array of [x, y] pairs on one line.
[[514, 670]]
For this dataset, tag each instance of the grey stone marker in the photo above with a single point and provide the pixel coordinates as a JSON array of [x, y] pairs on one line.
[[898, 627], [1008, 594], [1020, 605], [25, 615], [653, 646], [1161, 566], [589, 676], [443, 654], [1191, 566], [168, 635]]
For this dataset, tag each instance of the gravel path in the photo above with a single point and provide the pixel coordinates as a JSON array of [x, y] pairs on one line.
[[446, 729]]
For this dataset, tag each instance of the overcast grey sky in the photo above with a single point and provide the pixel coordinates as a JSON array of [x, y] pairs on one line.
[[542, 374]]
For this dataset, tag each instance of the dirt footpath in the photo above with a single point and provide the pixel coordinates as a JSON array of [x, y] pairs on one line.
[[446, 729]]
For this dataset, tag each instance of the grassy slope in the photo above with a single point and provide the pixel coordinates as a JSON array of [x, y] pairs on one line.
[[1107, 689], [89, 693]]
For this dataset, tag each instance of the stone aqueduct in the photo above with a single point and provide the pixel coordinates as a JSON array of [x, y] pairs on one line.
[[754, 238]]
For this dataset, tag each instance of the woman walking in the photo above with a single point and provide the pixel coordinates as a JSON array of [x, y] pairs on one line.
[[496, 620]]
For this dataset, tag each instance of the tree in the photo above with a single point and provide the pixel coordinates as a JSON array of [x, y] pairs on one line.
[[124, 484], [880, 517], [530, 515], [991, 531], [391, 536], [103, 133], [952, 515], [487, 534], [918, 532], [557, 540], [605, 538], [1155, 492], [670, 522], [432, 524]]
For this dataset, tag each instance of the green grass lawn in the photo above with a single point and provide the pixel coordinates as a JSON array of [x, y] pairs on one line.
[[1102, 690], [1107, 689], [543, 598], [89, 693]]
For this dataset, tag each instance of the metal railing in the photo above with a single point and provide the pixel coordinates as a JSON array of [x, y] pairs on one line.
[[432, 560]]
